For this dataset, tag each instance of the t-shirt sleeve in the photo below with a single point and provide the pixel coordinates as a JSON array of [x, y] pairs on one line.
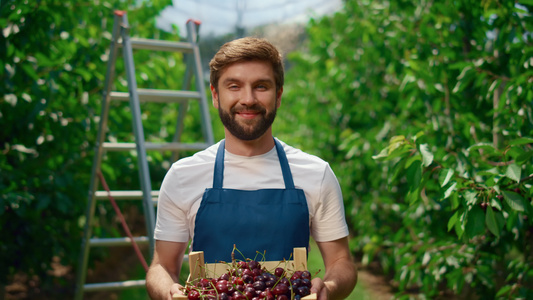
[[329, 223], [171, 224]]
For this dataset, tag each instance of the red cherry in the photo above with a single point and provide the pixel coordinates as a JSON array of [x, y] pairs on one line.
[[279, 271], [238, 281], [306, 275], [222, 286], [296, 275], [306, 282], [303, 291], [280, 289], [238, 296], [254, 265], [224, 296], [193, 295], [242, 265]]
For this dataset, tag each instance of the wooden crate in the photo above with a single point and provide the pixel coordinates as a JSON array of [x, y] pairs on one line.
[[199, 269]]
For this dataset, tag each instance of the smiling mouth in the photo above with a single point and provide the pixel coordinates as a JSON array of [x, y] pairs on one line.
[[247, 114]]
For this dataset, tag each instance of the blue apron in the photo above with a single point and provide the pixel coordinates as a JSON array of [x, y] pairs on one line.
[[269, 221]]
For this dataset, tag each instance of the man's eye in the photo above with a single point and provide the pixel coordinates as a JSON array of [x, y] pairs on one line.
[[233, 87]]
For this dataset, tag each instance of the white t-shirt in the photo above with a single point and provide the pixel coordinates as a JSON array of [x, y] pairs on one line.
[[184, 185]]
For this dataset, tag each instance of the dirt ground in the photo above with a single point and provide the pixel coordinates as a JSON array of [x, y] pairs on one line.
[[376, 285]]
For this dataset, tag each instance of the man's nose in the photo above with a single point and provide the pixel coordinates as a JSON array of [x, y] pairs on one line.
[[248, 96]]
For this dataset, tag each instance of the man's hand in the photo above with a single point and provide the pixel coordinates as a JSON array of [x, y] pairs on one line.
[[162, 277], [176, 289], [319, 288]]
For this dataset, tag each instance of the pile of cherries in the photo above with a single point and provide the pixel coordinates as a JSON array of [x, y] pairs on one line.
[[247, 280]]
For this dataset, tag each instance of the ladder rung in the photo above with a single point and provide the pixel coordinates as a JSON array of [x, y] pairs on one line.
[[123, 195], [159, 45], [122, 241], [156, 95], [119, 285], [105, 286], [155, 146]]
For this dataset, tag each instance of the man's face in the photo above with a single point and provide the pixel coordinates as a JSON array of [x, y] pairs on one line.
[[246, 99]]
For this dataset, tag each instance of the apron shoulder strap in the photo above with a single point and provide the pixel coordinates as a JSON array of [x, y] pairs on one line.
[[285, 169], [218, 174]]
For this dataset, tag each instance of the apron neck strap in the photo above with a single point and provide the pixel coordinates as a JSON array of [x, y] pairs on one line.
[[218, 175]]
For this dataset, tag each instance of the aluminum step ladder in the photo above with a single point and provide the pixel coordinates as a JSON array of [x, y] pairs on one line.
[[120, 38]]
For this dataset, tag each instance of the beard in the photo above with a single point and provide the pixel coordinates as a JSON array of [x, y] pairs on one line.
[[250, 129]]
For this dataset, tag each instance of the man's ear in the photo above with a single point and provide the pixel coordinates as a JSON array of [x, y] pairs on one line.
[[214, 95], [278, 97]]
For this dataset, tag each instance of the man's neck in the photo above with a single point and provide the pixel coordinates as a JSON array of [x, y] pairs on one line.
[[258, 146]]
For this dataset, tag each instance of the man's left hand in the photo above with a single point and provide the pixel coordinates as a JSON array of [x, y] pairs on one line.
[[319, 288]]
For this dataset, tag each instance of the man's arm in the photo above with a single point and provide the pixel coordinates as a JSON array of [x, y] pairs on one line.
[[163, 274], [340, 275]]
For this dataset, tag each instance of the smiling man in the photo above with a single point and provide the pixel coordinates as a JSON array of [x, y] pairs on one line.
[[250, 190]]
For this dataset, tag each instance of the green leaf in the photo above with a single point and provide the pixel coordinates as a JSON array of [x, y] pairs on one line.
[[514, 200], [454, 200], [454, 219], [504, 290], [43, 202], [513, 172], [382, 154], [397, 139], [30, 71], [484, 146], [475, 222], [388, 154], [460, 225], [84, 73], [470, 197], [521, 141], [427, 156], [522, 158], [398, 152], [494, 202], [444, 176], [413, 195], [491, 222], [414, 175], [398, 170], [448, 190], [489, 172]]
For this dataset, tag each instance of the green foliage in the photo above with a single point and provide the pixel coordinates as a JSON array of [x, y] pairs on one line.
[[424, 111], [54, 56]]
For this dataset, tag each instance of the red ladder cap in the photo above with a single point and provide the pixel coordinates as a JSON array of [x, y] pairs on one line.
[[120, 13], [197, 22]]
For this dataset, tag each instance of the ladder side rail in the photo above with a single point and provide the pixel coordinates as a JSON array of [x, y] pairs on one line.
[[99, 151], [182, 109], [183, 106], [192, 36], [144, 171]]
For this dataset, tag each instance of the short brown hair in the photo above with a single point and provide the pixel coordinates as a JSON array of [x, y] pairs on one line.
[[247, 49]]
